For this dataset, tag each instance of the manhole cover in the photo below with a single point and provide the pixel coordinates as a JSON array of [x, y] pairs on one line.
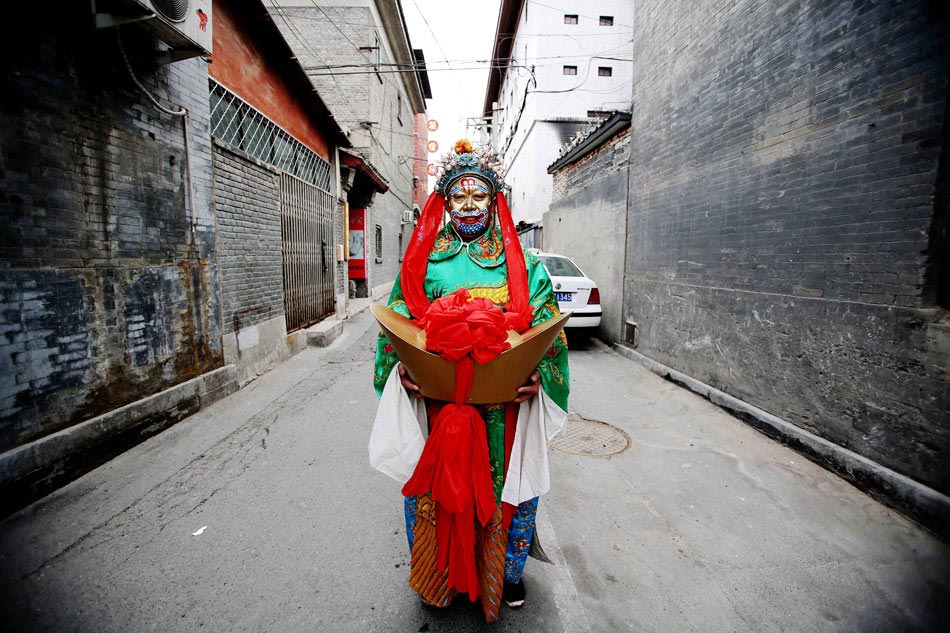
[[590, 437]]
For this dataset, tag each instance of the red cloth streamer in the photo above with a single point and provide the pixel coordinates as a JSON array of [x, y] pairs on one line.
[[514, 257], [511, 422], [412, 276], [455, 467]]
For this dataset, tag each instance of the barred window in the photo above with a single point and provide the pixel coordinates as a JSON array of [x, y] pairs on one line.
[[570, 70], [379, 244], [605, 71], [237, 123], [570, 18]]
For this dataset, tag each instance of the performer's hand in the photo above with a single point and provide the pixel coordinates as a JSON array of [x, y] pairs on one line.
[[410, 386], [530, 388]]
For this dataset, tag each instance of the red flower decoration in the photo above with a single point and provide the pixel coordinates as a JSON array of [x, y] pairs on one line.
[[457, 325]]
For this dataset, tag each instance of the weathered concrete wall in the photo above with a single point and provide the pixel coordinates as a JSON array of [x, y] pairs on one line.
[[106, 294], [587, 219], [784, 238], [588, 226]]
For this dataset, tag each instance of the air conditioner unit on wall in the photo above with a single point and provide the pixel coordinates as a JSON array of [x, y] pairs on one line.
[[185, 25]]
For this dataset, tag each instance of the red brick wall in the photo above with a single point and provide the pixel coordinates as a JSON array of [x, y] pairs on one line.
[[240, 65]]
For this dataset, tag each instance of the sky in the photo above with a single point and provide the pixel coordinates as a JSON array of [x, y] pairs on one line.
[[460, 33]]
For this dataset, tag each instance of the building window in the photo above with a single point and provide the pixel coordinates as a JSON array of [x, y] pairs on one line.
[[605, 71], [570, 18], [570, 70], [379, 244], [400, 243], [606, 20]]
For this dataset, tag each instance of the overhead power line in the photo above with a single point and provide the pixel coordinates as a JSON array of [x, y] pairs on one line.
[[436, 40], [306, 46], [427, 65], [394, 71]]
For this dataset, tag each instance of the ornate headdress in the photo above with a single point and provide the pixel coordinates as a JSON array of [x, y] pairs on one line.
[[487, 164], [466, 159]]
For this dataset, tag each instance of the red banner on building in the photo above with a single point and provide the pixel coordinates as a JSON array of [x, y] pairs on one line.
[[357, 255]]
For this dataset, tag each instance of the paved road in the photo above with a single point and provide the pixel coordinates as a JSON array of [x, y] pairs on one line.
[[261, 514]]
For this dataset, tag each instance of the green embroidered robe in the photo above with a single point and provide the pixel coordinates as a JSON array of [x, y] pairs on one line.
[[479, 267]]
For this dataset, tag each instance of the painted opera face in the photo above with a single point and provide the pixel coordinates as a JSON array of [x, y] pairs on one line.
[[470, 204]]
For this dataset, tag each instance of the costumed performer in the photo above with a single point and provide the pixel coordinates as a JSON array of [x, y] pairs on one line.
[[480, 549]]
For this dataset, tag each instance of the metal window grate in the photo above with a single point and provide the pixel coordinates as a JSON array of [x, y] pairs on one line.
[[236, 122], [306, 218]]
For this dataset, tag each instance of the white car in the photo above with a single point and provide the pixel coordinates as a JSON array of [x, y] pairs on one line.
[[575, 292]]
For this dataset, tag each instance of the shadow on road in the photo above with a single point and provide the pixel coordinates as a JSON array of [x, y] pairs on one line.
[[579, 340]]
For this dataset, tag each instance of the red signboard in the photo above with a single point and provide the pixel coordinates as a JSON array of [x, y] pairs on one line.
[[357, 255]]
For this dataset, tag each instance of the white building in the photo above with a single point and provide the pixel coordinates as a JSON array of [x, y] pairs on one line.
[[558, 65]]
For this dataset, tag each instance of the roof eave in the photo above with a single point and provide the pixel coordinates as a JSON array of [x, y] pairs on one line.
[[352, 159], [616, 123]]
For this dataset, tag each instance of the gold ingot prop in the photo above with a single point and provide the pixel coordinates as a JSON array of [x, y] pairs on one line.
[[495, 381]]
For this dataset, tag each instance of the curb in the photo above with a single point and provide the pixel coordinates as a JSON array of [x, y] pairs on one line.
[[323, 333], [926, 506], [34, 470]]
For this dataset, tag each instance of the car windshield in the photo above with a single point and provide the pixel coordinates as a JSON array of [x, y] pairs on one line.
[[560, 267]]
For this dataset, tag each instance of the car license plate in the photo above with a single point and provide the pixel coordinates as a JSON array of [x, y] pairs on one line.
[[564, 296]]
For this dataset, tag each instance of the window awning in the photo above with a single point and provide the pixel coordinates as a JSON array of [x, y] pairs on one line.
[[363, 166]]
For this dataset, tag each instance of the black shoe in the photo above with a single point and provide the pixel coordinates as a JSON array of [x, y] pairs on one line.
[[513, 594]]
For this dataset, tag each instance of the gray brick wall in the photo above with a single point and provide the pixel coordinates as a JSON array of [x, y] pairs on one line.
[[319, 42], [611, 157], [784, 244], [366, 103], [104, 299], [247, 204]]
